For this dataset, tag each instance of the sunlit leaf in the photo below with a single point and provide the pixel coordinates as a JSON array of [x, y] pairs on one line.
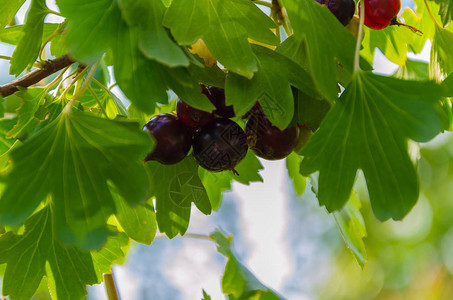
[[139, 222], [327, 42], [216, 183], [92, 26], [271, 86], [28, 48], [38, 252], [352, 227], [176, 187], [8, 11], [76, 156], [369, 129], [154, 40], [237, 280], [224, 25]]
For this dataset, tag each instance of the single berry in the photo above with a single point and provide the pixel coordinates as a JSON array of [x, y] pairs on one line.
[[381, 13], [268, 141], [217, 97], [343, 10], [191, 116], [173, 139], [220, 145]]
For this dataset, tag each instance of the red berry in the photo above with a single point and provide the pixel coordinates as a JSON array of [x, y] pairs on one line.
[[219, 145], [191, 116], [380, 13], [173, 139]]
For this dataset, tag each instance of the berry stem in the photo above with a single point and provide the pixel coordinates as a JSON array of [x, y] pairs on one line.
[[284, 18], [359, 39], [413, 29], [431, 14]]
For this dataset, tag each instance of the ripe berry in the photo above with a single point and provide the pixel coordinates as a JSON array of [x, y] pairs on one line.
[[191, 116], [268, 141], [217, 97], [381, 13], [173, 139], [220, 145], [342, 9]]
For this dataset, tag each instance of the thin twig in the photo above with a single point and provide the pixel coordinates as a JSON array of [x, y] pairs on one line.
[[35, 76], [110, 286], [82, 89]]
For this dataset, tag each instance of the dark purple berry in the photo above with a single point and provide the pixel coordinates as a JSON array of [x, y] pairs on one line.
[[268, 141], [217, 97], [220, 145], [173, 139], [191, 116], [342, 9]]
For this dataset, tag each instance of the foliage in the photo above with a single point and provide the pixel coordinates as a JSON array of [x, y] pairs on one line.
[[74, 188]]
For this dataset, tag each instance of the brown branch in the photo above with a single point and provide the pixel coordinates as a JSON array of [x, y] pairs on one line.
[[35, 76], [110, 286]]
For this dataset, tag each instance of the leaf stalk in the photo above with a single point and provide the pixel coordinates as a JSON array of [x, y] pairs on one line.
[[359, 38]]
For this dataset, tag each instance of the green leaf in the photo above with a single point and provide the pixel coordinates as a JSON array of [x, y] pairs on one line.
[[351, 224], [92, 27], [216, 183], [326, 40], [8, 11], [76, 156], [445, 11], [206, 296], [33, 98], [293, 165], [309, 110], [270, 86], [224, 25], [390, 40], [13, 34], [441, 51], [154, 41], [369, 129], [5, 142], [237, 281], [447, 86], [28, 48], [139, 223], [38, 252], [176, 187], [145, 82], [413, 70], [352, 227], [213, 76]]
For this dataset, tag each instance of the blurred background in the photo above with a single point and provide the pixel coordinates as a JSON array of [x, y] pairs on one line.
[[294, 246]]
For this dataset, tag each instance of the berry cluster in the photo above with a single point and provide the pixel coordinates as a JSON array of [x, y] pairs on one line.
[[218, 143], [378, 13]]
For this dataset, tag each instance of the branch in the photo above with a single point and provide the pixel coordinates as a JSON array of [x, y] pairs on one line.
[[35, 76], [110, 286]]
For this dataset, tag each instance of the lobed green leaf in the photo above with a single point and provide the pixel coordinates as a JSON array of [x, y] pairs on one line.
[[369, 129], [76, 156]]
